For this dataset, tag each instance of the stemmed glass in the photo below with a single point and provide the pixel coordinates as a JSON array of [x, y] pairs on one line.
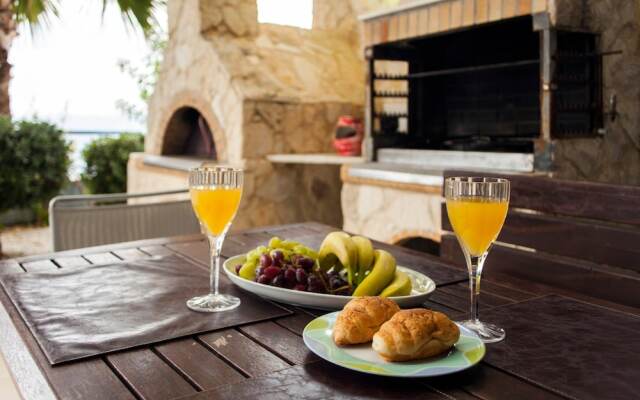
[[477, 208], [215, 197]]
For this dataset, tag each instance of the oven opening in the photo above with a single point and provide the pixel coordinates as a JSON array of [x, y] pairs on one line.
[[188, 134]]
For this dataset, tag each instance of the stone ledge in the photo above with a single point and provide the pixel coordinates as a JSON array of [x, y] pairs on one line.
[[317, 158], [393, 176]]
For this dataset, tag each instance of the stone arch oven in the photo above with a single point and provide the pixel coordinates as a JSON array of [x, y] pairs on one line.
[[188, 134], [235, 91]]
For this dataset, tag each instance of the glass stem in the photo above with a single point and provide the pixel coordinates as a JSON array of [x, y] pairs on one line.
[[474, 266], [215, 250]]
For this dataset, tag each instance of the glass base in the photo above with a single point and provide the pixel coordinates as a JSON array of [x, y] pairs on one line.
[[488, 333], [213, 303]]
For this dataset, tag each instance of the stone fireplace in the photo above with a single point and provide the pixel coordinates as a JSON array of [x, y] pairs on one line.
[[235, 91]]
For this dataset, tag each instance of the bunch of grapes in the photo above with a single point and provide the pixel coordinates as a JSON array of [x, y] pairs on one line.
[[291, 265]]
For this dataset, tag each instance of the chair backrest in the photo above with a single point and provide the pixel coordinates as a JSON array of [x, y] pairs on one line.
[[91, 220], [579, 236]]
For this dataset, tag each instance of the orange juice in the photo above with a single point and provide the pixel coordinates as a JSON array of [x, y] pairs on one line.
[[215, 207], [477, 221]]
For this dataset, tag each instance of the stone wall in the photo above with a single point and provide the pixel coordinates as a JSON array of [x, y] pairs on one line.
[[614, 158], [389, 214]]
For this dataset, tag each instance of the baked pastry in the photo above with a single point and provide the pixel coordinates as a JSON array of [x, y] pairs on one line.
[[416, 333], [361, 318]]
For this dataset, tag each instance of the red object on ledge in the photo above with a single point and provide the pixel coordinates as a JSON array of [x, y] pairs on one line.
[[348, 136]]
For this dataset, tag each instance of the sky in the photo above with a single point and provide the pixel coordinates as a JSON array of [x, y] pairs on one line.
[[66, 71]]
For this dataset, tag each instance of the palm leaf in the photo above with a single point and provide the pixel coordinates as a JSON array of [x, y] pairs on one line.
[[137, 12], [34, 12]]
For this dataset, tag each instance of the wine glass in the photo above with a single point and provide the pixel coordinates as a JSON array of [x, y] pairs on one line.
[[215, 197], [477, 208]]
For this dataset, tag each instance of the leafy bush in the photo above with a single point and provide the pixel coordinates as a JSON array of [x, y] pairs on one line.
[[34, 159], [106, 162]]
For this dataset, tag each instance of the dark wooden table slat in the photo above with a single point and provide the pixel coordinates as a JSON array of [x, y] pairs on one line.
[[243, 353], [148, 375], [203, 368], [280, 340]]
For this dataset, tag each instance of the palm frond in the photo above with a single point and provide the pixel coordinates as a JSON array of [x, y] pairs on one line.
[[34, 12], [138, 12]]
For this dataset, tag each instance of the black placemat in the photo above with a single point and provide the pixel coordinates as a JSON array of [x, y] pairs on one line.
[[573, 348], [81, 312]]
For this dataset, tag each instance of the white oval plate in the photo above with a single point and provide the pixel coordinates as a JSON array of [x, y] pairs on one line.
[[317, 336], [422, 287]]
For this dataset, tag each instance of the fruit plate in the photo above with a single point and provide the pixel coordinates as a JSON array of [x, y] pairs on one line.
[[317, 336], [423, 286]]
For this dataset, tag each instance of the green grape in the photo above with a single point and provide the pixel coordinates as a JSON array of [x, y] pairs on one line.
[[248, 270], [275, 242], [289, 244]]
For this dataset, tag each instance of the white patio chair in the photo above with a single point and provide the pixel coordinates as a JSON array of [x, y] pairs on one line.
[[90, 220]]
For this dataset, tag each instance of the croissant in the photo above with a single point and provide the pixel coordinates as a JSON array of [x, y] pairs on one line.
[[361, 318], [413, 334]]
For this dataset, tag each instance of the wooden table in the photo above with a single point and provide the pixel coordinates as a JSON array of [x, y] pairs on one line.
[[260, 360]]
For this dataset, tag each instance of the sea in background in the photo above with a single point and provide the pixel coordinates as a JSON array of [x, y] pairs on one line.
[[79, 140]]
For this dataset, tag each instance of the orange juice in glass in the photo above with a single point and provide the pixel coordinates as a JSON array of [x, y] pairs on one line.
[[477, 221], [215, 196], [477, 208], [216, 207]]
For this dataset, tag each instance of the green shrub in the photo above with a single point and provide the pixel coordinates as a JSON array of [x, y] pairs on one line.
[[34, 159], [106, 162]]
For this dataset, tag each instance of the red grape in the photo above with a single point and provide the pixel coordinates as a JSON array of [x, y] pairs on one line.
[[238, 269], [263, 279], [290, 276], [279, 281], [300, 287], [271, 272], [277, 256], [265, 260], [301, 275]]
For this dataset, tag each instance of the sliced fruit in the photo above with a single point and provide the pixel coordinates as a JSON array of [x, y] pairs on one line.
[[400, 286], [338, 246], [365, 255], [381, 275]]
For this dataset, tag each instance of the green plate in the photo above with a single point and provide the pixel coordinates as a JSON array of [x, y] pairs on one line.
[[317, 336]]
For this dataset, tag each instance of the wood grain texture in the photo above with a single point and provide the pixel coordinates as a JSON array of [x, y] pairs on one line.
[[243, 353], [509, 8], [296, 322], [596, 201], [71, 261], [468, 12], [596, 242], [131, 254], [40, 266], [456, 14], [280, 340], [148, 375], [321, 380], [102, 258], [561, 272], [192, 359], [481, 11], [10, 267], [495, 10], [487, 382]]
